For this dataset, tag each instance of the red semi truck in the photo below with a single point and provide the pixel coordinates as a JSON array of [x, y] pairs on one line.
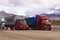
[[21, 24], [39, 22], [15, 23]]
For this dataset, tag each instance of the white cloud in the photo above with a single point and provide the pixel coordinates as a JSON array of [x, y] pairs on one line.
[[49, 12], [20, 7], [30, 3], [35, 3]]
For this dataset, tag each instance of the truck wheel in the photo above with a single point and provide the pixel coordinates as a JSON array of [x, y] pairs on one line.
[[17, 28], [49, 28]]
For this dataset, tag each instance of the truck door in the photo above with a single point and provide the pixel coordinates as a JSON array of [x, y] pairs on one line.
[[38, 23]]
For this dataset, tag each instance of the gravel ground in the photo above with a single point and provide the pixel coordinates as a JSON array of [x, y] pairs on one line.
[[30, 35]]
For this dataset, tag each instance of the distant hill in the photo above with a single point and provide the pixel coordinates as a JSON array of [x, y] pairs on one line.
[[52, 15], [4, 14]]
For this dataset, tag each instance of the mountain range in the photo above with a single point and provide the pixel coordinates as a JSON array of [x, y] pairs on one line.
[[53, 15]]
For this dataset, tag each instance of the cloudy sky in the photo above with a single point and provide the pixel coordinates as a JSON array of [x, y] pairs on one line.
[[29, 7]]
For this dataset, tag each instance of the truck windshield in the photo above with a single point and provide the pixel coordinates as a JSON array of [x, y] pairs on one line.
[[45, 21]]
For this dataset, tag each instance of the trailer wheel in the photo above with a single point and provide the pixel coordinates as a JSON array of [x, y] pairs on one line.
[[42, 28], [30, 28]]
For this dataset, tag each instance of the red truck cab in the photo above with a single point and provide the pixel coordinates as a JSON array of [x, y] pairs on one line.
[[21, 24], [43, 22]]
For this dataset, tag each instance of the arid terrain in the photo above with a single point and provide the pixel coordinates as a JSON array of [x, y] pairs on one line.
[[30, 35]]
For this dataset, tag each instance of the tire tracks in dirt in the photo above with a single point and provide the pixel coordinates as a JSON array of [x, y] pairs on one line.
[[16, 36]]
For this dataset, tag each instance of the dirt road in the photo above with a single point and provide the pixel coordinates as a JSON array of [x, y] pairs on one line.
[[30, 35]]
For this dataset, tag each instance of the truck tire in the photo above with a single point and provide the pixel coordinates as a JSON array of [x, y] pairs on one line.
[[17, 28], [49, 28]]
